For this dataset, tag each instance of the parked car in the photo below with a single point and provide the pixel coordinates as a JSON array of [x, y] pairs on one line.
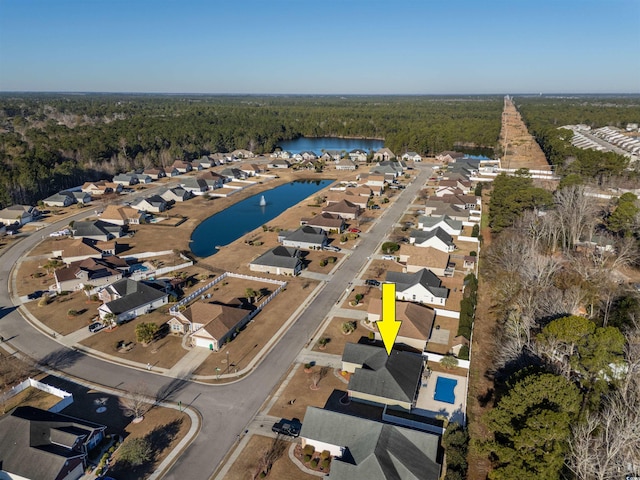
[[372, 282], [287, 427], [375, 207], [95, 327], [354, 230], [388, 257], [332, 248]]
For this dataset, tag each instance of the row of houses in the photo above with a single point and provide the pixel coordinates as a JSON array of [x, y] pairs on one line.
[[355, 155]]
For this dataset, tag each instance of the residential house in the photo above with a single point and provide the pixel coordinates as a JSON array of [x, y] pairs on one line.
[[171, 171], [344, 209], [389, 169], [362, 190], [211, 325], [153, 204], [121, 215], [376, 183], [92, 271], [466, 169], [96, 230], [346, 164], [309, 156], [437, 208], [18, 214], [422, 286], [384, 154], [449, 225], [326, 221], [176, 194], [143, 178], [449, 156], [331, 155], [98, 188], [365, 449], [307, 237], [82, 198], [380, 379], [214, 180], [128, 299], [195, 186], [278, 163], [71, 250], [279, 260], [203, 162], [280, 154], [417, 322], [416, 258], [218, 158], [233, 174], [38, 444], [443, 191], [242, 153], [126, 179], [59, 199], [461, 184], [358, 155], [436, 238], [182, 166], [412, 156], [350, 195], [251, 169], [463, 202], [155, 173]]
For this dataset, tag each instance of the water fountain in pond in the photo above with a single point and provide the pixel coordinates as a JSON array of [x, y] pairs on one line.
[[263, 202]]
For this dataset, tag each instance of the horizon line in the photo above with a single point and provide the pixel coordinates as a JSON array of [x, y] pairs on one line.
[[97, 92]]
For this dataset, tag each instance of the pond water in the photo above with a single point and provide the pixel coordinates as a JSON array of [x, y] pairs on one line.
[[247, 215], [318, 144]]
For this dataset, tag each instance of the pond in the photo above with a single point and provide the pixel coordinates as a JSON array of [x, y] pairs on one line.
[[318, 144], [239, 219]]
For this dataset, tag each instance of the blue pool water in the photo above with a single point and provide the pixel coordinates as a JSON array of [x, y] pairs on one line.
[[444, 390], [138, 267]]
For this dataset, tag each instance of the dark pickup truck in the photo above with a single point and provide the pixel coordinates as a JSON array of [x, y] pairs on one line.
[[287, 427]]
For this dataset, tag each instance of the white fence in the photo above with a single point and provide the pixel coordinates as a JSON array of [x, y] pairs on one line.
[[463, 238], [148, 255], [434, 357], [66, 397], [174, 309], [160, 271]]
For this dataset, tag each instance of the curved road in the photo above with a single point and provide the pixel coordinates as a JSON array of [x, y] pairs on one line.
[[226, 409]]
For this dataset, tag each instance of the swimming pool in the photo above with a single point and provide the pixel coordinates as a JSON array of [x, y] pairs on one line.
[[138, 267], [445, 390]]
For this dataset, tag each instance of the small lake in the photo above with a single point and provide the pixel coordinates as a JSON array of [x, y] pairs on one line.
[[317, 145], [239, 219]]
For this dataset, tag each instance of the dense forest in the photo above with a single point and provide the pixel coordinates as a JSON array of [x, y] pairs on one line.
[[545, 115], [55, 141], [565, 402]]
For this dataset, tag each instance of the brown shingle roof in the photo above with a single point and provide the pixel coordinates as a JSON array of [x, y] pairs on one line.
[[417, 320]]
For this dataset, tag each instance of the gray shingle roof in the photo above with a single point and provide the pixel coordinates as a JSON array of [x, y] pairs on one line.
[[282, 257], [308, 234], [89, 228], [132, 295], [394, 376], [424, 277], [373, 450], [422, 236], [431, 221], [27, 445]]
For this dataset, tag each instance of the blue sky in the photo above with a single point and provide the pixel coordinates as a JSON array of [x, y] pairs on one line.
[[321, 46]]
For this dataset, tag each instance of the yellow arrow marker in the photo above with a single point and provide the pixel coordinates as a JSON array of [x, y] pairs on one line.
[[388, 326]]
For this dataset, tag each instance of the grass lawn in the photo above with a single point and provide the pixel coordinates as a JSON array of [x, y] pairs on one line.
[[337, 339], [164, 428], [245, 466], [298, 389], [55, 314]]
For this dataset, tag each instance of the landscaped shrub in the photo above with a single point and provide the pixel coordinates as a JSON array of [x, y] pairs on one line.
[[332, 259], [464, 353], [314, 462], [262, 475], [308, 450], [325, 454], [44, 301], [390, 247], [306, 458], [323, 262], [72, 313], [325, 463]]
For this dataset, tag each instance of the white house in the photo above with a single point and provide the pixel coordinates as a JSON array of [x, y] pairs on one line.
[[422, 286]]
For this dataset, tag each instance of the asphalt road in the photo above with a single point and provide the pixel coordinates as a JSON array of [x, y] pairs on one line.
[[226, 409]]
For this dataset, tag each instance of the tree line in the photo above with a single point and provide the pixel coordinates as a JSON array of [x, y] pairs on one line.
[[54, 141]]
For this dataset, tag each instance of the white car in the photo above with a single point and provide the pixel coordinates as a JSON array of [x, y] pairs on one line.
[[388, 257]]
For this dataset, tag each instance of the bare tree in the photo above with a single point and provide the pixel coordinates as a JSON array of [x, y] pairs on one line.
[[575, 215], [137, 402], [270, 456], [317, 376]]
